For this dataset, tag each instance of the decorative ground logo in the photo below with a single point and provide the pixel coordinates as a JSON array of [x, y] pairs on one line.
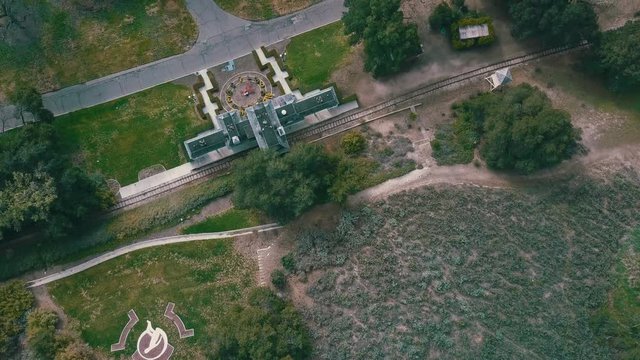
[[153, 343]]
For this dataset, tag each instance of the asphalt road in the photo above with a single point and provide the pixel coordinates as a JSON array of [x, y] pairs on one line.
[[221, 37], [147, 244]]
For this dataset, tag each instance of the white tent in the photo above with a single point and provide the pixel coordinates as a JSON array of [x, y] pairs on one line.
[[499, 78]]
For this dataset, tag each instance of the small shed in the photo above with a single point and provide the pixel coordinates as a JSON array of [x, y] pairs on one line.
[[499, 78], [473, 31]]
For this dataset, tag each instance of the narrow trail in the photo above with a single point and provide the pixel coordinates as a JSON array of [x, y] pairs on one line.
[[621, 156], [147, 244]]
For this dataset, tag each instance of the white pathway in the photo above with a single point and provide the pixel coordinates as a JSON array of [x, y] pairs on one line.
[[209, 107], [279, 76], [147, 244], [262, 272]]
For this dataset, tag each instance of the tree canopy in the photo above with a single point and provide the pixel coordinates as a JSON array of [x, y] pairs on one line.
[[268, 328], [388, 41], [517, 129], [40, 186], [283, 186], [555, 22], [618, 56]]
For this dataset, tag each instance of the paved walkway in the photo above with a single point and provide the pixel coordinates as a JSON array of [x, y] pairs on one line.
[[147, 244], [222, 37]]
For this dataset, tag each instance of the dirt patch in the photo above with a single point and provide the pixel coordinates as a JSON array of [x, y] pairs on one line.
[[44, 301], [615, 13]]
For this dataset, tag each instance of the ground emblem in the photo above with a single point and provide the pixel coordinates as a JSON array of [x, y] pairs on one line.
[[153, 343]]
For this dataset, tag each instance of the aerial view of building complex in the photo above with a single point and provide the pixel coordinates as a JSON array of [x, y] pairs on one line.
[[319, 179]]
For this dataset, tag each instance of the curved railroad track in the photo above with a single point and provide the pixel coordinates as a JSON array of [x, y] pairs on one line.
[[350, 118]]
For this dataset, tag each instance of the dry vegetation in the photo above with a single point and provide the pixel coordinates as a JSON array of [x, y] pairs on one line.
[[465, 272]]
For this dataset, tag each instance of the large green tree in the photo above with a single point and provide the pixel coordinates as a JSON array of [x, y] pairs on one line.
[[40, 186], [268, 328], [283, 186], [618, 56], [555, 22], [517, 129], [26, 198], [388, 41]]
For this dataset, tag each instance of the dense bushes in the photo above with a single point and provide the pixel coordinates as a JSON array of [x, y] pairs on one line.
[[41, 188], [41, 333], [284, 186], [555, 22], [15, 301], [517, 130], [267, 328], [617, 56], [449, 19], [388, 42], [353, 143]]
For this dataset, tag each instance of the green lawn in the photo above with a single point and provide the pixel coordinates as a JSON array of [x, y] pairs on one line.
[[104, 234], [313, 56], [229, 220], [202, 278], [124, 136], [75, 41]]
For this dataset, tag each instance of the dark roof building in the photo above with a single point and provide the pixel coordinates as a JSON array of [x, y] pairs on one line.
[[264, 122], [267, 128], [204, 143]]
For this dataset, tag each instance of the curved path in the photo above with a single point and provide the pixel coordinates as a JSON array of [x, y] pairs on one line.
[[221, 37], [147, 244]]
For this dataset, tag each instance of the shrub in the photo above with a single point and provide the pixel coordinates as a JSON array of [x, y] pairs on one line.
[[353, 143], [41, 333], [442, 17], [267, 328], [279, 279], [289, 263], [15, 301]]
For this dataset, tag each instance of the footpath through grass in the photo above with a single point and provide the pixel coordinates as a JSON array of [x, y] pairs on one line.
[[56, 44], [229, 220], [124, 136], [313, 56], [106, 234], [204, 279]]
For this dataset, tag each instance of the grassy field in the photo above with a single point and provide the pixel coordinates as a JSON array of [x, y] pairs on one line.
[[454, 272], [204, 279], [313, 56], [262, 9], [82, 40], [105, 234], [124, 136], [229, 220]]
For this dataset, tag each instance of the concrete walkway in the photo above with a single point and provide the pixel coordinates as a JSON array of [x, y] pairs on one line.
[[147, 244], [222, 37]]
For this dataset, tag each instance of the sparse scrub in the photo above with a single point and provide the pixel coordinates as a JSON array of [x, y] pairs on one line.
[[469, 273]]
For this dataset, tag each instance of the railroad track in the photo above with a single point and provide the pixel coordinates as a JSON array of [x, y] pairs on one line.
[[350, 118]]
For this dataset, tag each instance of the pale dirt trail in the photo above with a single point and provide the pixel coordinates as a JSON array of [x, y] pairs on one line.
[[625, 156]]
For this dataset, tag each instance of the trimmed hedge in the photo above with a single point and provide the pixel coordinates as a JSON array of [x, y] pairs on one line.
[[459, 44]]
